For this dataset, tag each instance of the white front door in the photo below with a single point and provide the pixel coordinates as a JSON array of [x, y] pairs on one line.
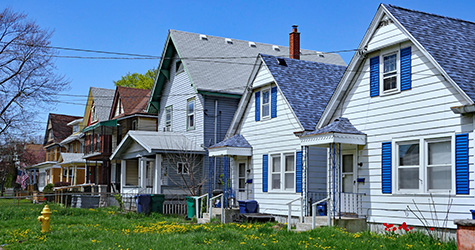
[[348, 184], [241, 181]]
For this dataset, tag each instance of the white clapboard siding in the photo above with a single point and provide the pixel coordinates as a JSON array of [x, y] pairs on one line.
[[176, 92], [422, 112], [274, 135]]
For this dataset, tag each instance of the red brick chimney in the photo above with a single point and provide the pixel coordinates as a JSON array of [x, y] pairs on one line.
[[294, 47]]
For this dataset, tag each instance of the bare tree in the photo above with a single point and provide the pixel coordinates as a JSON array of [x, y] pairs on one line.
[[27, 77], [187, 165]]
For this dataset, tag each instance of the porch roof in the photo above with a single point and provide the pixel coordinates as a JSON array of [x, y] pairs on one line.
[[156, 142], [235, 145], [339, 131], [71, 158]]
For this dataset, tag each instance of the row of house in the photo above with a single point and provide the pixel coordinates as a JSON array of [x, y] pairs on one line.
[[392, 130]]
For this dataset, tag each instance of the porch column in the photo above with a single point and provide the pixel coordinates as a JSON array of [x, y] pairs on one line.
[[113, 171], [67, 174], [61, 174], [158, 174], [75, 177], [122, 175], [34, 175], [142, 174]]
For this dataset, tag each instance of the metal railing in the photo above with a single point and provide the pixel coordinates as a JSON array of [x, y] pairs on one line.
[[314, 212], [210, 207], [290, 211], [345, 204], [198, 208]]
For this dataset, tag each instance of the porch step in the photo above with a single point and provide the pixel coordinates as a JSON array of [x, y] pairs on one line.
[[307, 224]]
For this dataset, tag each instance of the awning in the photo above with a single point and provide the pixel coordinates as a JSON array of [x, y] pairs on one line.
[[109, 123], [236, 145], [339, 131]]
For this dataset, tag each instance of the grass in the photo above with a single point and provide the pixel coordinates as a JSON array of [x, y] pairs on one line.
[[106, 228]]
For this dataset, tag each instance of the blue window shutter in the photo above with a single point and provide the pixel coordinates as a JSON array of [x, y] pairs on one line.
[[265, 173], [386, 168], [374, 76], [298, 172], [273, 103], [406, 72], [461, 164], [258, 106]]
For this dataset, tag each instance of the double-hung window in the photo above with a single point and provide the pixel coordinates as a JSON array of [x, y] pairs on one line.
[[289, 172], [190, 114], [390, 72], [275, 171], [168, 118], [439, 165], [182, 168], [265, 105], [408, 167]]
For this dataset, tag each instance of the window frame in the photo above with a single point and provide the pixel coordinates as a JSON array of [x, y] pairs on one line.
[[384, 53], [424, 164], [169, 123], [268, 89], [282, 172], [184, 165], [188, 114]]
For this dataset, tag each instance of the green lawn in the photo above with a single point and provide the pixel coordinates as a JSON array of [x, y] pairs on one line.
[[108, 229]]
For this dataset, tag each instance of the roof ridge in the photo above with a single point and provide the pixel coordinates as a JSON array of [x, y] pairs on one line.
[[427, 13], [234, 39]]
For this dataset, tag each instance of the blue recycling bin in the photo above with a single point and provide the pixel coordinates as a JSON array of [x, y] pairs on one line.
[[248, 206], [144, 202], [322, 208], [473, 214]]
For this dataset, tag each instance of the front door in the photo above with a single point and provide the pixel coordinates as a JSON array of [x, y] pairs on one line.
[[242, 185], [348, 184]]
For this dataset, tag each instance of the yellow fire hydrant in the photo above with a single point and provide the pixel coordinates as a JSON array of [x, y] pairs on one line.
[[45, 219]]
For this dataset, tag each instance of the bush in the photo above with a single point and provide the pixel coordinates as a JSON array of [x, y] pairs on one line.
[[48, 189]]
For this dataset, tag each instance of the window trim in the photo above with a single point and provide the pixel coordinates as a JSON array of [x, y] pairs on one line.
[[169, 123], [423, 164], [269, 104], [188, 127], [388, 52], [184, 164], [282, 156]]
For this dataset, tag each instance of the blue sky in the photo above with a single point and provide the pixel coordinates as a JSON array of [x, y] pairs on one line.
[[141, 27]]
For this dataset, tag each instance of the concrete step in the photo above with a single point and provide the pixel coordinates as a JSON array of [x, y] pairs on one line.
[[203, 220]]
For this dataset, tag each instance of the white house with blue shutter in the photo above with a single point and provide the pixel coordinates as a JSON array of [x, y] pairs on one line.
[[283, 97], [400, 125]]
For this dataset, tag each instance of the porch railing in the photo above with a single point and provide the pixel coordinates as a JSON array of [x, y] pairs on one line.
[[290, 211], [210, 207], [345, 204]]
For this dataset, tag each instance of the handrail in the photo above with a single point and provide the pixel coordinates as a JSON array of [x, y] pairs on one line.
[[210, 207], [314, 211], [289, 217], [197, 200]]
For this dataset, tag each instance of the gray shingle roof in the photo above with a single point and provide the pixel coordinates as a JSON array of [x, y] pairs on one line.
[[450, 41], [307, 86], [103, 99], [340, 125], [237, 141], [229, 75], [72, 158]]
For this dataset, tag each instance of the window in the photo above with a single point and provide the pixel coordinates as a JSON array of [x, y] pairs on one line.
[[289, 172], [439, 165], [182, 168], [282, 171], [390, 72], [134, 125], [93, 113], [75, 128], [168, 118], [149, 173], [275, 171], [408, 169], [190, 114], [50, 134], [179, 67], [431, 172], [265, 104]]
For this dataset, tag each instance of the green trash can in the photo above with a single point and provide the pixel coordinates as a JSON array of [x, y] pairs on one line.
[[191, 203], [157, 203]]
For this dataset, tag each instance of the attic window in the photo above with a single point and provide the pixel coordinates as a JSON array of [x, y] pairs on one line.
[[252, 45], [203, 37], [281, 61], [228, 41], [275, 47]]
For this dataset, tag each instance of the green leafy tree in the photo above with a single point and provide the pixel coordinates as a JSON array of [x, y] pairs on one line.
[[136, 80]]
